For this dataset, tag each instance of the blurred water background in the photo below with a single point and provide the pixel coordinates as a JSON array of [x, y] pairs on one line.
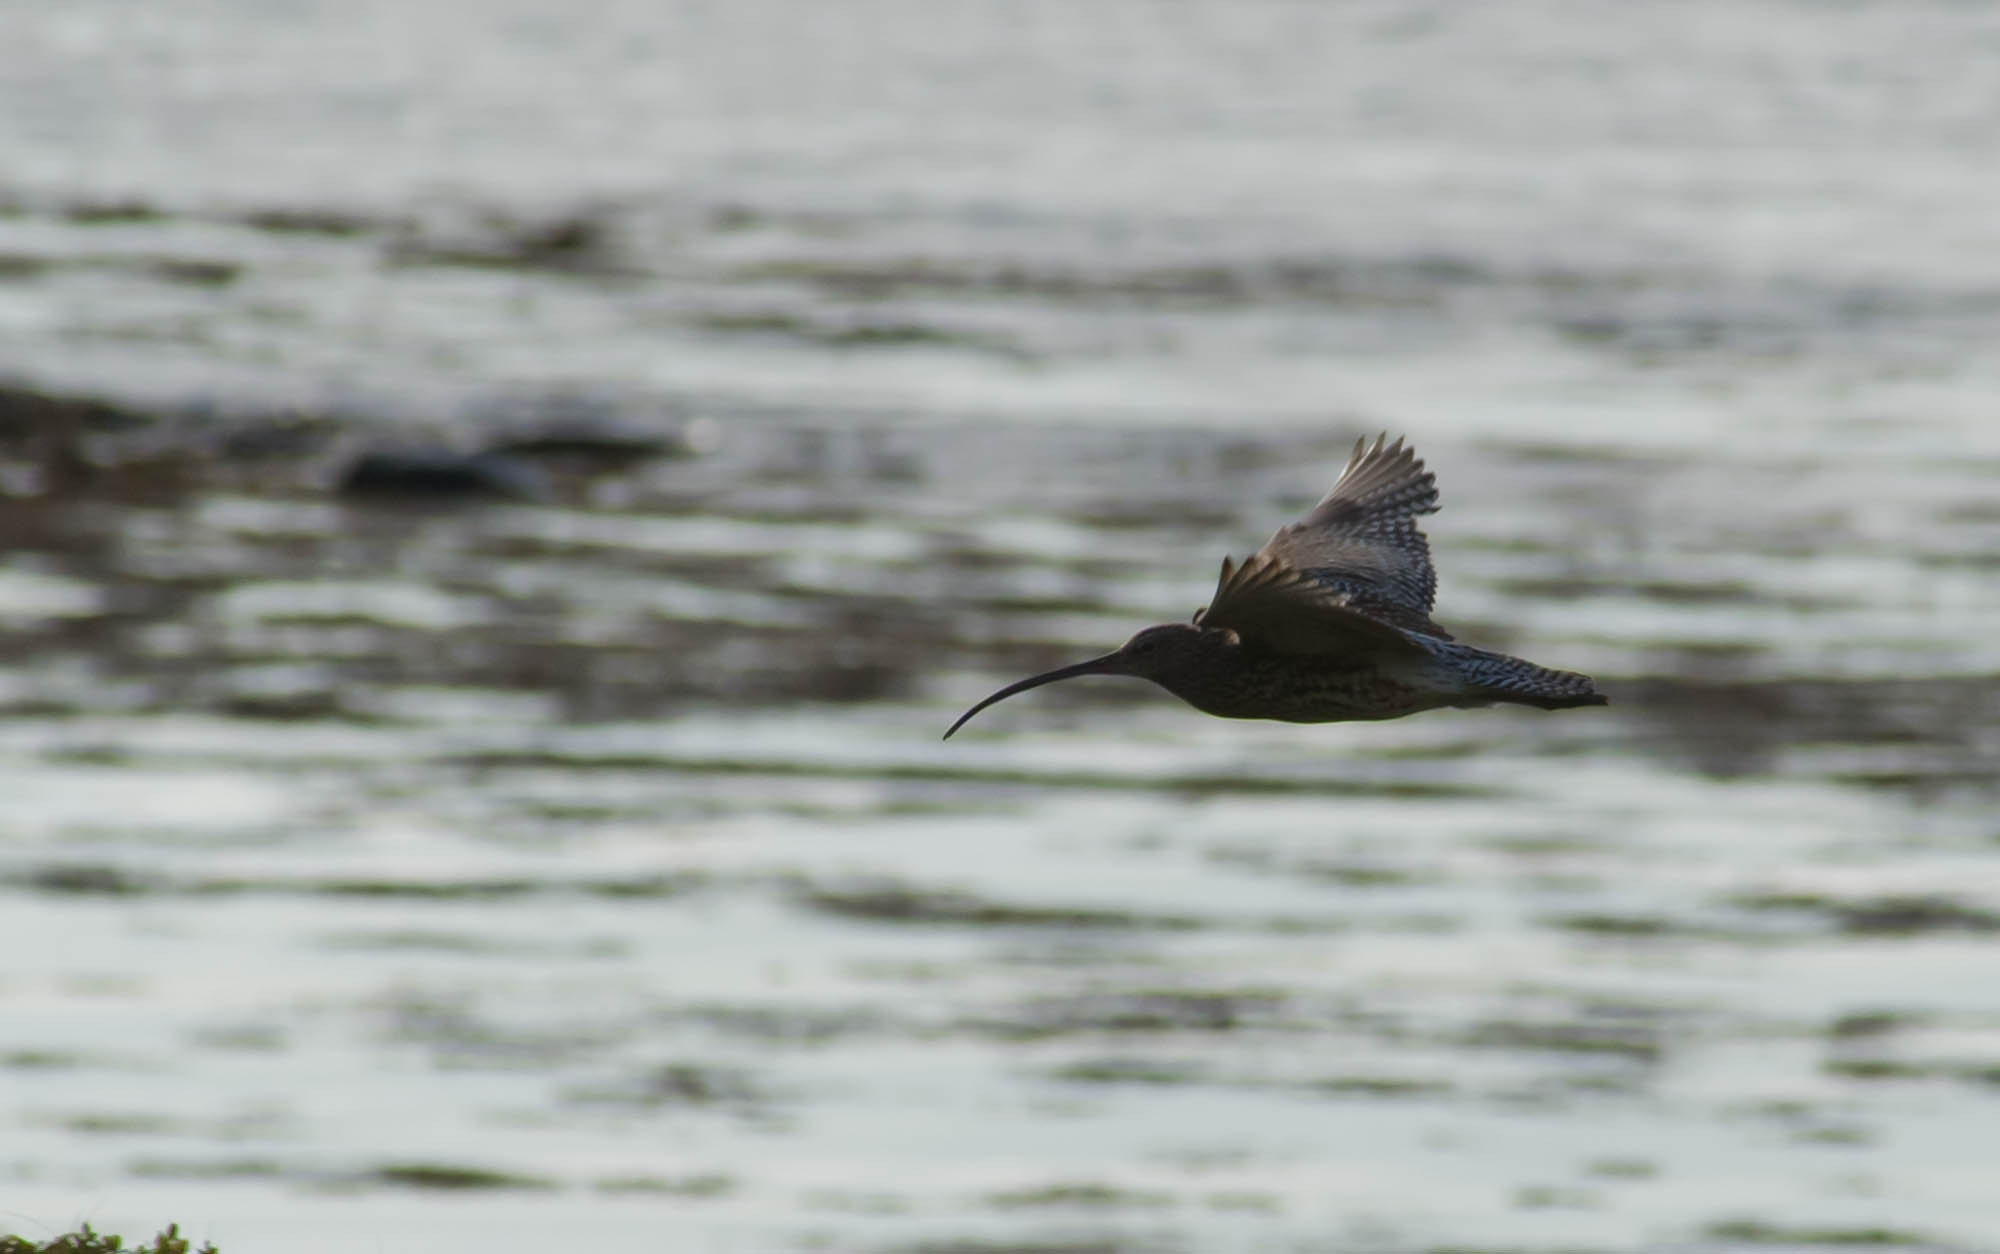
[[500, 500]]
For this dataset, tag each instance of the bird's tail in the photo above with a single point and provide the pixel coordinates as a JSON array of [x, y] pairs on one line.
[[1498, 677]]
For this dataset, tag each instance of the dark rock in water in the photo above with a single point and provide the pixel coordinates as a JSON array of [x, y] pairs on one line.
[[431, 475]]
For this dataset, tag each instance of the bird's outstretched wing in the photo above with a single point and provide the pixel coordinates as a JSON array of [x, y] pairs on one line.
[[1274, 607], [1353, 575]]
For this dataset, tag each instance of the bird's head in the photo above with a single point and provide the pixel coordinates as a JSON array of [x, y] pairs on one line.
[[1156, 653]]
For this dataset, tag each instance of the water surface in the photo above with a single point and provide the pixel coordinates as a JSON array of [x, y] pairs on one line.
[[584, 866]]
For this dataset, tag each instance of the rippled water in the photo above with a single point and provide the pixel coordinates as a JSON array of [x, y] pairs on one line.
[[587, 867]]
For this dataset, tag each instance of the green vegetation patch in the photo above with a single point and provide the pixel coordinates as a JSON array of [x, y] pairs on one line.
[[87, 1241]]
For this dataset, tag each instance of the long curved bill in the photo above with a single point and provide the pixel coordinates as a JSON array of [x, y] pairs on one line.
[[1095, 666]]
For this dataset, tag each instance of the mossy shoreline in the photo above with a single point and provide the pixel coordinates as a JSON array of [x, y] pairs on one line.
[[87, 1241]]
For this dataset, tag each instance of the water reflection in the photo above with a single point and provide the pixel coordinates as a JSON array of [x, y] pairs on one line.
[[607, 836]]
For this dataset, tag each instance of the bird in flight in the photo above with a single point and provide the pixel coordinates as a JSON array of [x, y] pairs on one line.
[[1330, 621]]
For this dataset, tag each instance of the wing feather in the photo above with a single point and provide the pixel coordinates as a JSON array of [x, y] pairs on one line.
[[1352, 577], [1274, 607], [1362, 539]]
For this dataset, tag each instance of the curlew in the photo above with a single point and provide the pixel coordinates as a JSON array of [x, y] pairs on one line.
[[1330, 621]]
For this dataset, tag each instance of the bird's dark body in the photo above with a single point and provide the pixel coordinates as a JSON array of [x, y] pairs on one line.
[[1264, 685], [1230, 679], [1330, 621]]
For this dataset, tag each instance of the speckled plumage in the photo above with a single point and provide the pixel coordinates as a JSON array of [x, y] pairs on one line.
[[1330, 621]]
